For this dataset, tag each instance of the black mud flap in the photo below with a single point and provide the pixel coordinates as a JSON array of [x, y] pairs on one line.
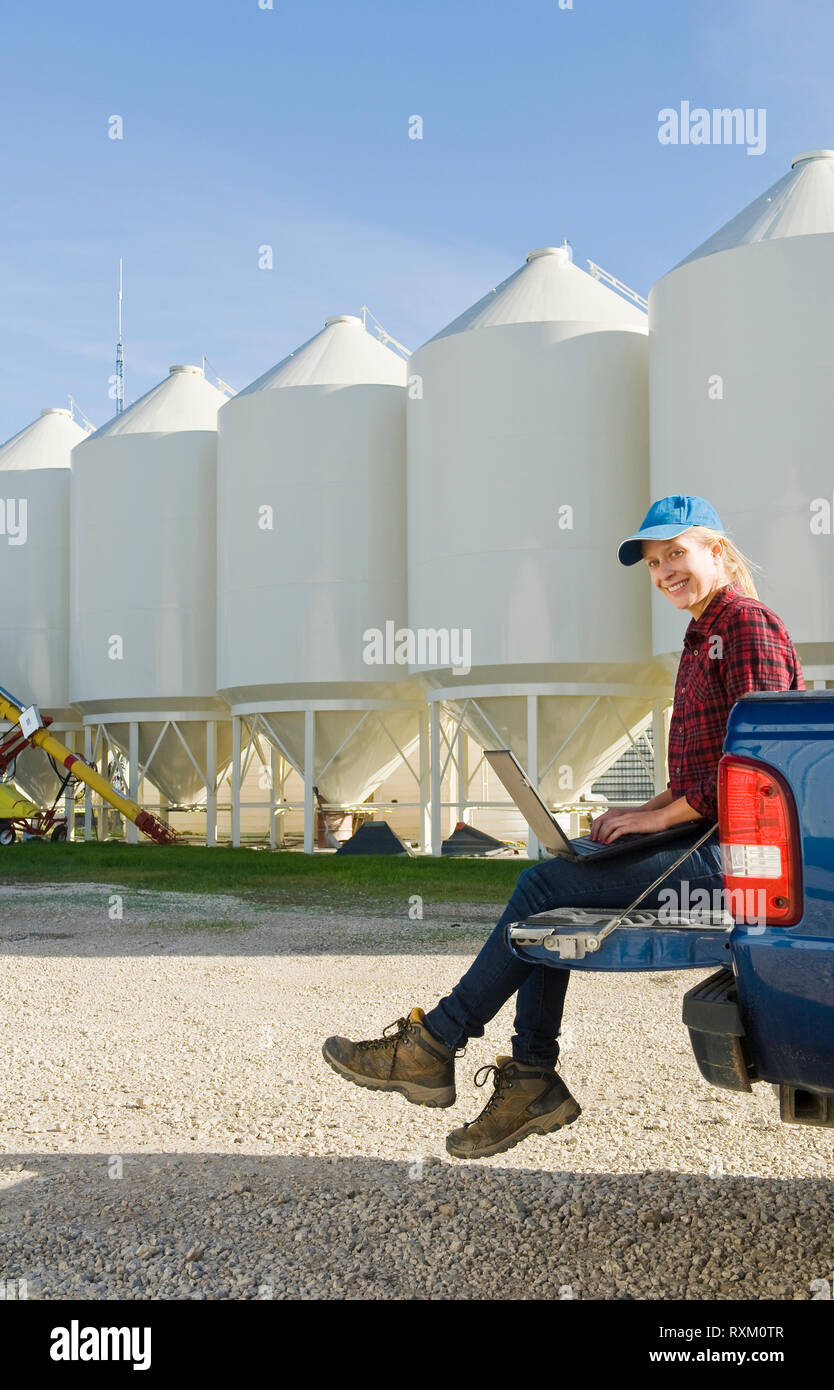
[[800, 1107], [716, 1031]]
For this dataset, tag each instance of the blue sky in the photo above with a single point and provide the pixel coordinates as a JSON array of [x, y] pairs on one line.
[[289, 127]]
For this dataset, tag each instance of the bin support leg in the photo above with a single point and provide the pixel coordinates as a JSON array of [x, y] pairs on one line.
[[533, 762], [131, 833], [434, 738], [463, 774], [88, 791], [425, 789], [236, 780], [309, 775], [211, 784], [273, 797], [69, 800]]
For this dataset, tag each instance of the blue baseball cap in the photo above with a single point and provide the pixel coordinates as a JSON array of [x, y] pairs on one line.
[[667, 518]]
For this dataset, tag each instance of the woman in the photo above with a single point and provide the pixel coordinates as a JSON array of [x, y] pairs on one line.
[[733, 644]]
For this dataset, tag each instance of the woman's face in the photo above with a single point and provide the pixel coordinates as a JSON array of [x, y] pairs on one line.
[[686, 571]]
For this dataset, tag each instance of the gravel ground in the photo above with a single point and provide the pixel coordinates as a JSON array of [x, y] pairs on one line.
[[170, 1129]]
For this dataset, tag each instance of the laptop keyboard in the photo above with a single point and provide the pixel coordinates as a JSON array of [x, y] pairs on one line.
[[584, 845]]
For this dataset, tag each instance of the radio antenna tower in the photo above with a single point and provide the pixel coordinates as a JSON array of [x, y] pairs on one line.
[[120, 357]]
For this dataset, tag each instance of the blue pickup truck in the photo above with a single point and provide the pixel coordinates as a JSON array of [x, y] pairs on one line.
[[767, 1012]]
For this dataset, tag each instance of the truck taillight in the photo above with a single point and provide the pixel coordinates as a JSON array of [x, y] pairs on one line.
[[760, 855]]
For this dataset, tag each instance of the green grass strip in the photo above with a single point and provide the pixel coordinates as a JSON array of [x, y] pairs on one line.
[[278, 876]]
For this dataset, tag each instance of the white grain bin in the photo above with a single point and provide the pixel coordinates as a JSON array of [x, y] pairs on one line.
[[742, 397], [34, 578], [142, 593], [527, 463], [311, 557]]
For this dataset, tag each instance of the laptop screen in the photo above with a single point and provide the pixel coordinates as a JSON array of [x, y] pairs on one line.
[[513, 777]]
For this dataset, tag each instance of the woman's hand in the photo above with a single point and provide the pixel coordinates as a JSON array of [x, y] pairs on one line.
[[612, 824]]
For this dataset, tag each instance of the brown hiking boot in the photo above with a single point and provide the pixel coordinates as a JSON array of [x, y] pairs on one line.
[[526, 1100], [411, 1061]]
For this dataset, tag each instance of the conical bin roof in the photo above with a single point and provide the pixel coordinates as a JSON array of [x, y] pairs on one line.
[[183, 400], [342, 353], [45, 443], [801, 203], [547, 288]]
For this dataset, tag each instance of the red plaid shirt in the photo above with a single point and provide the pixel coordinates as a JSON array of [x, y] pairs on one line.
[[736, 646]]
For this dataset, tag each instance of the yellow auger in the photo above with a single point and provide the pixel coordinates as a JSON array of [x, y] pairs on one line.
[[32, 728]]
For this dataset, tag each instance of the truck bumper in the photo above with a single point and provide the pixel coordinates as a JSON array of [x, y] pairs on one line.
[[716, 1031]]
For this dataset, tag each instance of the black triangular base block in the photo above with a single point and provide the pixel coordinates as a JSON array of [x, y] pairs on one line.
[[465, 839], [374, 837]]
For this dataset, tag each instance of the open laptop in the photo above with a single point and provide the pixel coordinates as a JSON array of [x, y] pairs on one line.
[[551, 835]]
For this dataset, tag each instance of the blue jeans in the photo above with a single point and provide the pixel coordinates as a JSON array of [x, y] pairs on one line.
[[496, 973]]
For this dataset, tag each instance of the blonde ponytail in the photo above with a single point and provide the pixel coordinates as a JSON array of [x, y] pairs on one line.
[[738, 566]]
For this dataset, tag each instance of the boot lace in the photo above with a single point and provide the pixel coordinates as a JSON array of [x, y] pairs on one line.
[[402, 1026], [502, 1083], [388, 1039], [373, 1044]]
